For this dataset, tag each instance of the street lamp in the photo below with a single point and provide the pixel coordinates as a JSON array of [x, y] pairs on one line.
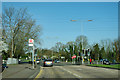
[[81, 21]]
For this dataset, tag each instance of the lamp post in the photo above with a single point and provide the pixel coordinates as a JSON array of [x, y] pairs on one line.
[[81, 21], [52, 55]]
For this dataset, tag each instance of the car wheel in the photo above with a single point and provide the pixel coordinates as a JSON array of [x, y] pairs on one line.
[[2, 69], [43, 65]]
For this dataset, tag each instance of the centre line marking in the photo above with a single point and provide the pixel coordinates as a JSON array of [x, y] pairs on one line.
[[39, 74]]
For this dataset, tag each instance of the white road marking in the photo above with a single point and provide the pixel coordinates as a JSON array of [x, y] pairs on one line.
[[71, 72], [79, 69]]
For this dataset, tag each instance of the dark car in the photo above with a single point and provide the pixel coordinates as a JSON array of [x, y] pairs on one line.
[[105, 61], [57, 61], [47, 62], [38, 61]]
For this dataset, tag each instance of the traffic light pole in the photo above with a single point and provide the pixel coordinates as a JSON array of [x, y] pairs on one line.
[[35, 62], [88, 59], [88, 53], [82, 38]]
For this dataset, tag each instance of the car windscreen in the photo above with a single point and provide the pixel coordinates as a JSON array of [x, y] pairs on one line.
[[48, 60]]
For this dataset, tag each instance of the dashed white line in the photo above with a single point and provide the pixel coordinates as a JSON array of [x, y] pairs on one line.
[[71, 72], [79, 69]]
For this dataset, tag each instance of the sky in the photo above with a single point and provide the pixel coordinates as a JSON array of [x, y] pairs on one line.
[[54, 18], [60, 0]]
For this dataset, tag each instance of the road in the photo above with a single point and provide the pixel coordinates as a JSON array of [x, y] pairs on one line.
[[63, 70], [60, 71]]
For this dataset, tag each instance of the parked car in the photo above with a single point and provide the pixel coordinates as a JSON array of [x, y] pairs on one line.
[[38, 61], [105, 61], [19, 61], [47, 62], [30, 62], [57, 61]]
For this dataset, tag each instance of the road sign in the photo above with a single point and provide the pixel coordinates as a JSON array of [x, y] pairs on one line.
[[30, 44], [74, 56], [31, 41]]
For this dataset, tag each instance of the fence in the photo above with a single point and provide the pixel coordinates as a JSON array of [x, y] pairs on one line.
[[12, 61]]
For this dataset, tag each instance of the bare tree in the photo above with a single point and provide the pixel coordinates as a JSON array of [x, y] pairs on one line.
[[18, 27], [82, 40]]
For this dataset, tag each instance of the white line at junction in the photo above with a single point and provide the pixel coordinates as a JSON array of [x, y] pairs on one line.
[[70, 72]]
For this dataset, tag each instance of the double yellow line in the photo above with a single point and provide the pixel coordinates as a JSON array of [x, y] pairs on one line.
[[41, 70]]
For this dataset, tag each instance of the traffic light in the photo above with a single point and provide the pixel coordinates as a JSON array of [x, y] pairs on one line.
[[35, 51], [86, 52], [83, 51], [79, 54]]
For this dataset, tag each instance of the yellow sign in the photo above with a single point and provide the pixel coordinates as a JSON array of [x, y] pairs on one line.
[[92, 59], [88, 59], [83, 60]]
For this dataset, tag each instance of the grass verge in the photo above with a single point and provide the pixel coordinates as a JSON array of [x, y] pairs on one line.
[[115, 66]]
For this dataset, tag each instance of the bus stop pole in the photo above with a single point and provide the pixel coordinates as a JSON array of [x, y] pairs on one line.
[[33, 55]]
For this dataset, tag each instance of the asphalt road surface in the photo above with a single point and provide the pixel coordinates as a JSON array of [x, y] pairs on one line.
[[66, 70], [60, 71]]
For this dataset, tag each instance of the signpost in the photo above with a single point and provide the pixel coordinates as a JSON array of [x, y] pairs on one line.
[[31, 43], [73, 58]]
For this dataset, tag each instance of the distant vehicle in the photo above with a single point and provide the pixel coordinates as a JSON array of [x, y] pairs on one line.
[[38, 61], [57, 61], [30, 62], [48, 62], [105, 61], [19, 61]]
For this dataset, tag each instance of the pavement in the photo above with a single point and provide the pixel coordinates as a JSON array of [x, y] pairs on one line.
[[20, 71]]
